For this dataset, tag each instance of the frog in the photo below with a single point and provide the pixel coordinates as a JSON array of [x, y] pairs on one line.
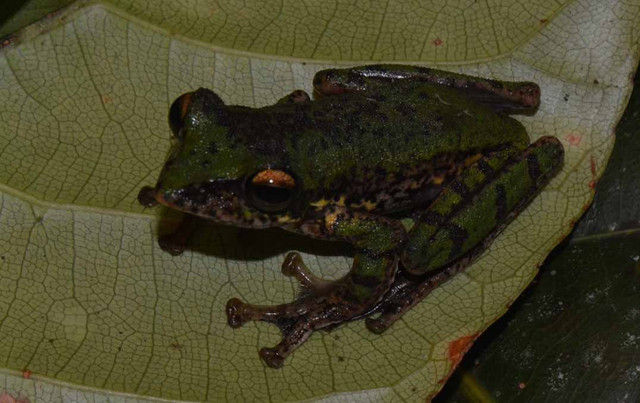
[[376, 144]]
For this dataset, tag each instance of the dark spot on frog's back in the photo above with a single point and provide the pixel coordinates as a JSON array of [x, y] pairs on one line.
[[301, 118], [381, 172], [485, 168], [406, 110], [501, 202], [458, 236], [533, 165], [213, 148], [370, 107], [356, 79]]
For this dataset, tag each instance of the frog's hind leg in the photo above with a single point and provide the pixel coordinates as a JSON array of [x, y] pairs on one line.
[[323, 304], [449, 235], [503, 96]]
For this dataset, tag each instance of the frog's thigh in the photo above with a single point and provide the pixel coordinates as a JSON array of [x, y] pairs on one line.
[[481, 200], [533, 169], [509, 97]]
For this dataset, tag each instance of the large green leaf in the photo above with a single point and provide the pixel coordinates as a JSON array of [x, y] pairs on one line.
[[88, 298]]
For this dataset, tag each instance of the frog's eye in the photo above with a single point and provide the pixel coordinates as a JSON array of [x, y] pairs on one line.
[[270, 190], [177, 113]]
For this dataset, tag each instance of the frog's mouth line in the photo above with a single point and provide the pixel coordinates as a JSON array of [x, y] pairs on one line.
[[222, 202]]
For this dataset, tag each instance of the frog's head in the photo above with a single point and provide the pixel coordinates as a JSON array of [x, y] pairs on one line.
[[213, 173]]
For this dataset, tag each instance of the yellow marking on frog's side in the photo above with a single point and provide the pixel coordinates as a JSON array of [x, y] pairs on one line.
[[324, 202], [284, 219], [472, 160], [366, 204], [320, 203], [438, 180], [330, 219]]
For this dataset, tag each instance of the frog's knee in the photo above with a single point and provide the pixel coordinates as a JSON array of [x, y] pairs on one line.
[[413, 261]]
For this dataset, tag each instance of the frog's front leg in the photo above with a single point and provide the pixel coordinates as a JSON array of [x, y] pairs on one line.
[[377, 241], [464, 219], [176, 241]]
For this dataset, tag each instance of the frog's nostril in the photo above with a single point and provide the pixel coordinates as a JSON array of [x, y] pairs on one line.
[[177, 113]]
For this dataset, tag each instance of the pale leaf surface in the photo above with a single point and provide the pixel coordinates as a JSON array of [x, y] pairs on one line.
[[88, 298]]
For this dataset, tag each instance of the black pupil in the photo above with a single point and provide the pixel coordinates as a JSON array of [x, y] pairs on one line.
[[270, 198]]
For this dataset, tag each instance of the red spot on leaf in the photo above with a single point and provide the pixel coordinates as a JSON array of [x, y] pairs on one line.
[[106, 99], [592, 184], [459, 347], [437, 42], [5, 397], [593, 167], [574, 139], [26, 374]]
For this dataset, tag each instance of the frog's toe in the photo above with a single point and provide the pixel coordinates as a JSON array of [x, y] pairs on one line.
[[293, 266], [168, 244], [239, 313], [236, 313], [294, 333], [272, 357], [380, 324], [176, 242]]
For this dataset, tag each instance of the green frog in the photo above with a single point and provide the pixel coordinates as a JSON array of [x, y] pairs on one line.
[[377, 143]]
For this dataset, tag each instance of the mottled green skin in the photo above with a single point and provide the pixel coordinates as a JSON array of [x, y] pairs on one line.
[[336, 142], [382, 139]]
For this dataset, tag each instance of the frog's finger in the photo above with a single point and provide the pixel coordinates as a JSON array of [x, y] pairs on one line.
[[458, 220], [505, 96], [293, 266]]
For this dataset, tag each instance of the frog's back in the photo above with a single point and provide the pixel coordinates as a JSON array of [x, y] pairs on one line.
[[337, 141]]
